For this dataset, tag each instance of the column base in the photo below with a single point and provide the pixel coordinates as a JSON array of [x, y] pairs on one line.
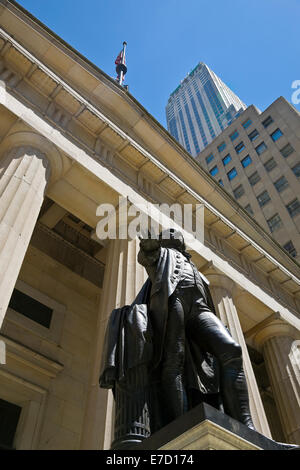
[[206, 428]]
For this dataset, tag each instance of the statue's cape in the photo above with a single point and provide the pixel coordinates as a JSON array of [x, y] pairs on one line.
[[128, 339]]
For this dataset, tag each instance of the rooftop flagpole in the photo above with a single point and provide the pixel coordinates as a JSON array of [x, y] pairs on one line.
[[121, 68]]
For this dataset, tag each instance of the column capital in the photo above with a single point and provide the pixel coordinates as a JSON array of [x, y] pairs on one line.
[[217, 278], [274, 325], [25, 138]]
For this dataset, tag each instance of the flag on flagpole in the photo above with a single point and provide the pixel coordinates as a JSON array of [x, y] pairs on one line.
[[120, 62], [119, 58]]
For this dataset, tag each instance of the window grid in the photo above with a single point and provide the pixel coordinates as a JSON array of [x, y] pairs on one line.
[[234, 136], [274, 223], [239, 191], [261, 148], [296, 170], [254, 178], [267, 121], [31, 308], [293, 208], [226, 159], [263, 198], [281, 184], [270, 164], [246, 161], [214, 170], [248, 208], [232, 174], [286, 150], [253, 135], [276, 135], [289, 247], [221, 147], [240, 147], [209, 158], [247, 123]]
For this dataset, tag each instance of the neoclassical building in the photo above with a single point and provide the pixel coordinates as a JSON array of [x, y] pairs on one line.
[[71, 139]]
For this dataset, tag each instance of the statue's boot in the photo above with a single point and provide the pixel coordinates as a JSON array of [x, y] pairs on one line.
[[235, 391], [174, 396], [236, 398]]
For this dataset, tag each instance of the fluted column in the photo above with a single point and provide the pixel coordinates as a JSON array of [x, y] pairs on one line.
[[222, 289], [123, 279], [280, 345], [24, 173]]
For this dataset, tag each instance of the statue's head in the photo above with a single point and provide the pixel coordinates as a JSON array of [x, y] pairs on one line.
[[172, 238]]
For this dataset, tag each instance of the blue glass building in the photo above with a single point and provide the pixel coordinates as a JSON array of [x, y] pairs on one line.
[[200, 108]]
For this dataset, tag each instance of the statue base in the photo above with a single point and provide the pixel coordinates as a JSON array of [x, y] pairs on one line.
[[206, 428]]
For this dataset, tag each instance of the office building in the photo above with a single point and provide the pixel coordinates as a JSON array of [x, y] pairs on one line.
[[200, 108], [257, 160]]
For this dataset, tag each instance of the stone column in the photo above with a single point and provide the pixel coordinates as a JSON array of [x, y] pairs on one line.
[[24, 173], [123, 279], [280, 346], [222, 289]]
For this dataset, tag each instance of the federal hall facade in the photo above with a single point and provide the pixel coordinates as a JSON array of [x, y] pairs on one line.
[[71, 139]]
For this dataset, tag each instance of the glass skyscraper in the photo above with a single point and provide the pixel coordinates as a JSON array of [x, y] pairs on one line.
[[200, 108]]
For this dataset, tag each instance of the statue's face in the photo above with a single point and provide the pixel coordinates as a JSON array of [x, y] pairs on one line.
[[171, 239]]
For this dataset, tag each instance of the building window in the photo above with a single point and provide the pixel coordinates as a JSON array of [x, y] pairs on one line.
[[226, 159], [248, 208], [253, 135], [293, 207], [270, 164], [221, 147], [261, 148], [246, 161], [276, 135], [234, 136], [209, 158], [232, 174], [254, 178], [9, 418], [267, 121], [274, 223], [214, 170], [31, 308], [289, 247], [239, 191], [247, 123], [240, 147], [221, 182], [263, 198], [296, 170], [286, 150], [281, 184]]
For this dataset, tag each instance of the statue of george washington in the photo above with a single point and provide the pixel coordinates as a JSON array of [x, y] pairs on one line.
[[168, 351]]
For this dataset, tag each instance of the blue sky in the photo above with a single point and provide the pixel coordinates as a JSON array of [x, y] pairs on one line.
[[253, 45]]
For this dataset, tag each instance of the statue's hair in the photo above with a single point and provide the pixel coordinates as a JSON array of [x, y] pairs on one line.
[[173, 238]]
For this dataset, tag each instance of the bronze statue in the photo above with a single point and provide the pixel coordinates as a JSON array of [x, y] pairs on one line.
[[168, 351]]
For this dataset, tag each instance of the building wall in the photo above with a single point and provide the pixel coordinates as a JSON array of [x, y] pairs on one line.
[[287, 119], [68, 343]]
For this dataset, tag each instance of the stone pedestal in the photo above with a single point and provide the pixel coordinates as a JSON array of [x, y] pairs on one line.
[[206, 428], [222, 289], [24, 173], [123, 279]]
